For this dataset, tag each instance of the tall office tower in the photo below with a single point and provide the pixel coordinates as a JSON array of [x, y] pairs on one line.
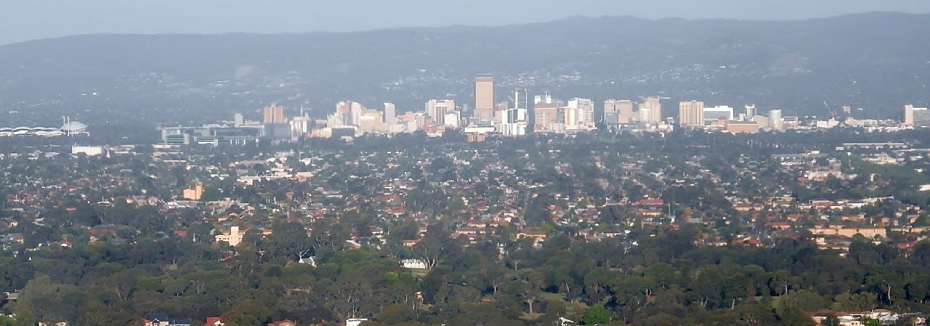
[[500, 113], [484, 98], [357, 110], [274, 114], [546, 116], [579, 114], [618, 112], [451, 119], [611, 114], [643, 114], [691, 114], [914, 116], [775, 120], [624, 111], [437, 109], [238, 120], [349, 113], [300, 126], [651, 110], [750, 111], [390, 115], [518, 116]]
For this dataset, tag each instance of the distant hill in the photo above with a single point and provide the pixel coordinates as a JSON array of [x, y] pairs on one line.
[[877, 61]]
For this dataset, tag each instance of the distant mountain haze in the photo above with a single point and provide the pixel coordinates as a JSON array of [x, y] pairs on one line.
[[876, 61], [22, 20]]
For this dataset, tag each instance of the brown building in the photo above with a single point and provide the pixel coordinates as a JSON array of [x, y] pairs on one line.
[[691, 114], [547, 116], [194, 193], [273, 114], [624, 110], [742, 127], [650, 110], [484, 98]]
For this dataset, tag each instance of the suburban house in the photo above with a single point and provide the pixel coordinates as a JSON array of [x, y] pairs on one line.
[[234, 237], [164, 320], [214, 321]]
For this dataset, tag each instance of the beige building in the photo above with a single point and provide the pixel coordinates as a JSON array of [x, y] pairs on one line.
[[194, 193], [273, 114], [691, 114], [624, 111], [742, 127], [484, 98], [547, 117], [437, 109], [651, 110], [234, 237]]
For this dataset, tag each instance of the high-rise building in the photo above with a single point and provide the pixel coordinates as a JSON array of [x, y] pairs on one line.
[[618, 112], [484, 99], [273, 114], [238, 120], [625, 111], [691, 113], [650, 110], [513, 120], [518, 112], [775, 120], [437, 109], [916, 116], [750, 111], [349, 113], [501, 110], [579, 114], [390, 115], [451, 119], [300, 126], [611, 115], [546, 116]]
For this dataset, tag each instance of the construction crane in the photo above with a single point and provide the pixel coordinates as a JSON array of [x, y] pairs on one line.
[[832, 113]]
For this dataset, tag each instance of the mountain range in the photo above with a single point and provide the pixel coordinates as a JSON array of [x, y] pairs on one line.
[[875, 61]]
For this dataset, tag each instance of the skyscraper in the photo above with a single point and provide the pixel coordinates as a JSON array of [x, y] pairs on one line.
[[545, 113], [238, 120], [437, 109], [691, 113], [484, 99], [915, 117], [517, 119], [618, 112], [750, 111], [624, 111], [611, 116], [775, 120], [651, 110], [390, 115], [579, 114], [273, 114]]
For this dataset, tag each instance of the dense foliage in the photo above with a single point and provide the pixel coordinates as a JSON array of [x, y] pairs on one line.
[[662, 280]]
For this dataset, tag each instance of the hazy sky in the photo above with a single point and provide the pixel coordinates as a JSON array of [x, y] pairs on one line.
[[22, 20]]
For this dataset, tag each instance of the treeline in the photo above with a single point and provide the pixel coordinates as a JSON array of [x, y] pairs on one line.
[[654, 277]]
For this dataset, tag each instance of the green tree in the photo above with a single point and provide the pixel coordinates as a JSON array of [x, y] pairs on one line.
[[596, 314]]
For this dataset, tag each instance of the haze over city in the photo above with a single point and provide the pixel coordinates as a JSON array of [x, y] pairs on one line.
[[464, 163], [22, 20]]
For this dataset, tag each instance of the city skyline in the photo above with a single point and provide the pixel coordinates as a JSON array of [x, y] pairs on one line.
[[29, 19]]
